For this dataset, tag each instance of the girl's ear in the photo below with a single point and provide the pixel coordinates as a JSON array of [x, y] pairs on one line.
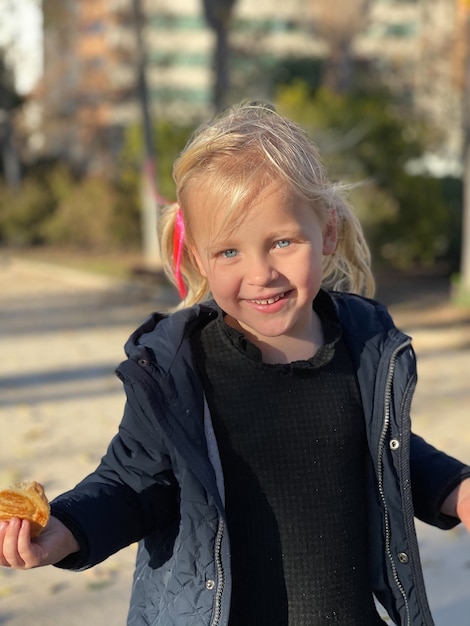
[[330, 234], [197, 259]]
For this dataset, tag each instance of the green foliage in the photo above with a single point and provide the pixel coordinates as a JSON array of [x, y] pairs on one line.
[[419, 231], [292, 70], [367, 140], [23, 211], [54, 206], [83, 216], [169, 139], [452, 194]]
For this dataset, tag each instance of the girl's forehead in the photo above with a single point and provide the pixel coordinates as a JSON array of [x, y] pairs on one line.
[[223, 199], [216, 218]]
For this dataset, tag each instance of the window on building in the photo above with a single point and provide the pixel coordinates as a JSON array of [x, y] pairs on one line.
[[93, 27]]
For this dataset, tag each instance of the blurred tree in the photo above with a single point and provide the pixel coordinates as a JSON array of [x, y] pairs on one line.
[[23, 212], [57, 206], [56, 12], [9, 102], [218, 14], [150, 195], [337, 23], [59, 94], [169, 139], [80, 96], [79, 93], [368, 141], [465, 262], [75, 221], [293, 69]]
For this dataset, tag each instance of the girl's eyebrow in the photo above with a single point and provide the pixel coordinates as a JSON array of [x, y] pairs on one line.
[[226, 243], [221, 244], [287, 233]]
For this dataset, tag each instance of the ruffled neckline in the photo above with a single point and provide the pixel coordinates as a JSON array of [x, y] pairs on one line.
[[325, 309]]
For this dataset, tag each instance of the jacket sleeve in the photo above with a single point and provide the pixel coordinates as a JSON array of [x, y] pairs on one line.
[[131, 494], [434, 475]]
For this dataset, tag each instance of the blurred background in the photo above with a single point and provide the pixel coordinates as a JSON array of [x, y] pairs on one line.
[[97, 97]]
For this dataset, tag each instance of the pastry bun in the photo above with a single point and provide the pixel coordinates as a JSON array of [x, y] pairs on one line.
[[25, 500]]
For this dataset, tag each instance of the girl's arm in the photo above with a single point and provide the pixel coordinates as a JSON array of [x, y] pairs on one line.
[[133, 493], [106, 515], [440, 485], [457, 503]]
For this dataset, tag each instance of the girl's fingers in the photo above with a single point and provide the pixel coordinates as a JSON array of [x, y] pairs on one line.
[[17, 550], [24, 541], [3, 529], [10, 550]]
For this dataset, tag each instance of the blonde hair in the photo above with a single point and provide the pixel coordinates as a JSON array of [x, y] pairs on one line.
[[234, 157]]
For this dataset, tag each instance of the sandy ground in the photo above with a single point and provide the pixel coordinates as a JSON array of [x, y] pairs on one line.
[[61, 336]]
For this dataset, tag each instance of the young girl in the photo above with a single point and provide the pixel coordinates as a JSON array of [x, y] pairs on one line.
[[264, 461]]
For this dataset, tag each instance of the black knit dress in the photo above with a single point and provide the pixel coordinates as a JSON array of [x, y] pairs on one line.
[[293, 451]]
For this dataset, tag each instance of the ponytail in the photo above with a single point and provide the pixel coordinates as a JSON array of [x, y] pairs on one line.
[[349, 267], [196, 286]]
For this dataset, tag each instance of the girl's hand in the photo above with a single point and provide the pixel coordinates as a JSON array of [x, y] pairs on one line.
[[457, 503], [463, 503], [17, 550]]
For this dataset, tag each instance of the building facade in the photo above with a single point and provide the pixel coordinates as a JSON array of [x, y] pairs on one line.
[[89, 92]]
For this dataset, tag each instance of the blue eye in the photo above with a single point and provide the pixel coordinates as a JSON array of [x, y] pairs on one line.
[[283, 243], [230, 253]]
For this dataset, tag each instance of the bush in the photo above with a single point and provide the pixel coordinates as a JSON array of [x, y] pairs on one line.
[[54, 207], [408, 220], [23, 212], [169, 139], [83, 216], [420, 231]]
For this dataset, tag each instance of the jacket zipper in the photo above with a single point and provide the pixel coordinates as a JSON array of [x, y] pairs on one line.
[[383, 435], [220, 574], [413, 548]]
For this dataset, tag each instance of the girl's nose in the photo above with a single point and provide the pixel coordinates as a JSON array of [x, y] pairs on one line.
[[261, 272]]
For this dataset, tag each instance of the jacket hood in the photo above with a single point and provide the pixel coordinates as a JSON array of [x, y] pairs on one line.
[[365, 319], [162, 344]]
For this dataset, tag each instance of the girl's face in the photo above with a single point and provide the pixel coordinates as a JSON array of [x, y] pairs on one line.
[[266, 272]]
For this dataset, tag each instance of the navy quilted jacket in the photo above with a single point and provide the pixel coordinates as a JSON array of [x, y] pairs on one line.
[[161, 476]]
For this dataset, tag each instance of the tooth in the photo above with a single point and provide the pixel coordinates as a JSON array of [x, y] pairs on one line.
[[269, 300]]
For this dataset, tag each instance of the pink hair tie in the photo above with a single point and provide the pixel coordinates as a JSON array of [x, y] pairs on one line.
[[178, 245]]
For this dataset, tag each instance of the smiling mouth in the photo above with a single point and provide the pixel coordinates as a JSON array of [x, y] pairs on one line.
[[270, 300]]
